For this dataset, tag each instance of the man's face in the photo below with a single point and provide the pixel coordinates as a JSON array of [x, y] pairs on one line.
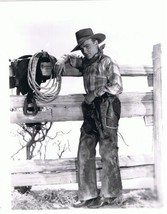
[[89, 48]]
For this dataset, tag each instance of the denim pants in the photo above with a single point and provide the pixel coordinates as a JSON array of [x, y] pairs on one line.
[[100, 126]]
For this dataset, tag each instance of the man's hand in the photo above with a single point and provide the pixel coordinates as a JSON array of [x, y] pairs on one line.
[[75, 61], [89, 98], [60, 64]]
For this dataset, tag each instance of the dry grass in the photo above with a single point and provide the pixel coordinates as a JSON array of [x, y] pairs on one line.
[[63, 199], [46, 199]]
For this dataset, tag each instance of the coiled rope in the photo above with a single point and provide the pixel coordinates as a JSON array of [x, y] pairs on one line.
[[50, 91]]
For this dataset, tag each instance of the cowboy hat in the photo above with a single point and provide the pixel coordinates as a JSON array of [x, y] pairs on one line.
[[87, 33]]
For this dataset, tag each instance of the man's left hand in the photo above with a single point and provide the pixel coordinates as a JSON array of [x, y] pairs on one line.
[[89, 98]]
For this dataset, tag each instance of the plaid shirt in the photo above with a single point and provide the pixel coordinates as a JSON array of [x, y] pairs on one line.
[[100, 75]]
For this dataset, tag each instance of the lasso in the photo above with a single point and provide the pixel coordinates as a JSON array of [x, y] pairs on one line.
[[50, 91]]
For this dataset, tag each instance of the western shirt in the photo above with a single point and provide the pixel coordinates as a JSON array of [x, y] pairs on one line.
[[100, 74]]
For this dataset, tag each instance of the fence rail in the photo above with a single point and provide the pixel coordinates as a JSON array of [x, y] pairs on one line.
[[60, 171], [125, 70], [68, 108]]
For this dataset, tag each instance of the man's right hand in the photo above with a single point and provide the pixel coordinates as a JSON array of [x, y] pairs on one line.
[[60, 65], [75, 61]]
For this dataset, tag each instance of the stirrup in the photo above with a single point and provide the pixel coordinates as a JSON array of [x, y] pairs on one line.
[[33, 110]]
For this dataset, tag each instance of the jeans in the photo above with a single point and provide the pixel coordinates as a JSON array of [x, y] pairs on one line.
[[100, 126]]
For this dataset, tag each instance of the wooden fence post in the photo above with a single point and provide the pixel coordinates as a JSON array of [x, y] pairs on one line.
[[157, 109]]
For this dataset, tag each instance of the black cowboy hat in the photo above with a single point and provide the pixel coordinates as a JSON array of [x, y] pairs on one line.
[[87, 33]]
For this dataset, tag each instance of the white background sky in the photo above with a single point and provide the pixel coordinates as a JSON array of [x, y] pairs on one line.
[[132, 27]]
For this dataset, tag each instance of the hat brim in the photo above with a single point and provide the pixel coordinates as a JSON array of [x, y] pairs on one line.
[[99, 36]]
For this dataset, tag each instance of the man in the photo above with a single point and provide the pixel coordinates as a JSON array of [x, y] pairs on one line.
[[101, 112]]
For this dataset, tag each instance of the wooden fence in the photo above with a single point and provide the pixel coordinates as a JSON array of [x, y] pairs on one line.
[[68, 108], [134, 169]]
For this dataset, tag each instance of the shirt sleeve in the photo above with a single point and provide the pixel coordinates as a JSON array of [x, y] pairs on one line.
[[114, 84]]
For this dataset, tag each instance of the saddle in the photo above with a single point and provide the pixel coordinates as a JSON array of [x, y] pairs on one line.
[[43, 69]]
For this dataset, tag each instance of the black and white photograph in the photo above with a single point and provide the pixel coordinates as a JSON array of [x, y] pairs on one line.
[[83, 99]]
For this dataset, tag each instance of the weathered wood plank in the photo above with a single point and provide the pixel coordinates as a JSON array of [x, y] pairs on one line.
[[29, 166], [157, 128], [75, 113], [76, 99], [135, 71], [68, 108], [125, 70], [64, 171], [129, 184], [66, 177]]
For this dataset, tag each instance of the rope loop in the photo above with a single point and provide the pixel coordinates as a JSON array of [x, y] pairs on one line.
[[50, 91]]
